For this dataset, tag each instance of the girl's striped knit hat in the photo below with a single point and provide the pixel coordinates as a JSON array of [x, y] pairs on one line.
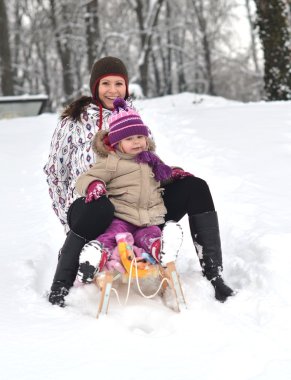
[[124, 122]]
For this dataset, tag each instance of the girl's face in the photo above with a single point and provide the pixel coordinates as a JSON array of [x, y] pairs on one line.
[[133, 144], [110, 88]]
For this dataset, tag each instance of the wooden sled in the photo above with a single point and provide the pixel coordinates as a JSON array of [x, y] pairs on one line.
[[168, 276]]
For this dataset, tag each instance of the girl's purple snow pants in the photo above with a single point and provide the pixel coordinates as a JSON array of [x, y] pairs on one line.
[[143, 236]]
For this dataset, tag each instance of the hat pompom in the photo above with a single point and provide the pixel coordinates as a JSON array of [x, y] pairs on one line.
[[120, 103]]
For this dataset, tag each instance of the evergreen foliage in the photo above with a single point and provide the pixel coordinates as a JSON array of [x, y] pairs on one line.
[[275, 36]]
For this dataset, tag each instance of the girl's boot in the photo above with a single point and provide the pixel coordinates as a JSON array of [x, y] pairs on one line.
[[92, 260], [205, 234], [166, 248]]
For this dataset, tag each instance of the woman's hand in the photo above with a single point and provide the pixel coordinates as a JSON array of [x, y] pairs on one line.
[[95, 190], [178, 173]]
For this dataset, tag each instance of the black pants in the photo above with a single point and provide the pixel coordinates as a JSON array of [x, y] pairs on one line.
[[90, 220], [190, 195]]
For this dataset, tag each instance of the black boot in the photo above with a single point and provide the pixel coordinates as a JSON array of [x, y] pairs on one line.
[[66, 269], [205, 234]]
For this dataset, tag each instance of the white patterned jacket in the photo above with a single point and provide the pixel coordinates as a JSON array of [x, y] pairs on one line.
[[71, 154]]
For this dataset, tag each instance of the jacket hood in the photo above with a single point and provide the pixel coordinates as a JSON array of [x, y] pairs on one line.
[[100, 144]]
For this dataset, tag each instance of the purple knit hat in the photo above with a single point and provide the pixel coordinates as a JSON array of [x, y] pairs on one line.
[[124, 122]]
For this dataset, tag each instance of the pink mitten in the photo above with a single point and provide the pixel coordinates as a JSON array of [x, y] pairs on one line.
[[114, 263], [178, 173], [125, 237], [95, 190]]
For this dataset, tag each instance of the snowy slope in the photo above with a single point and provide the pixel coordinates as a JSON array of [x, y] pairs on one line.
[[243, 151]]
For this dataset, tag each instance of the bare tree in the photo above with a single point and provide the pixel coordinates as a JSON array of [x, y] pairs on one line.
[[161, 75], [179, 40], [206, 43], [17, 45], [93, 35], [42, 36], [5, 54], [157, 76], [252, 24], [169, 61], [147, 18], [168, 46], [289, 5], [63, 33], [172, 46]]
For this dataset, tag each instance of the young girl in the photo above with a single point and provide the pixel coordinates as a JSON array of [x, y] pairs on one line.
[[129, 173]]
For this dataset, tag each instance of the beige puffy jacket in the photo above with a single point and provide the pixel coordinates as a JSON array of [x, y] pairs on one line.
[[131, 187]]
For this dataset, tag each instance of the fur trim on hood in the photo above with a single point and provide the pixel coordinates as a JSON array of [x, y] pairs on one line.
[[100, 144]]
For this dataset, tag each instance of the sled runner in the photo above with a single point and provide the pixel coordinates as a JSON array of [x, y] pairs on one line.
[[136, 270]]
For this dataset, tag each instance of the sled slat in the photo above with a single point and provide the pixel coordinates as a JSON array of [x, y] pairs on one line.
[[176, 284], [105, 285]]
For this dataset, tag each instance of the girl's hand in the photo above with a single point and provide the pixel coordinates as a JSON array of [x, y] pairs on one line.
[[178, 173], [95, 190]]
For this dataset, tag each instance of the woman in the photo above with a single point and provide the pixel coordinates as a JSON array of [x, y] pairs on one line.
[[71, 155]]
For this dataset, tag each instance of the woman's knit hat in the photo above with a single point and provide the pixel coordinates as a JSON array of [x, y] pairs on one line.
[[104, 67], [124, 122]]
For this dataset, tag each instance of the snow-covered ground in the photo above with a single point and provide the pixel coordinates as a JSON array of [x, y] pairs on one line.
[[244, 152]]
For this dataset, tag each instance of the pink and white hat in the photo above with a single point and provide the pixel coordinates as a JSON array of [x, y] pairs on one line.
[[124, 122]]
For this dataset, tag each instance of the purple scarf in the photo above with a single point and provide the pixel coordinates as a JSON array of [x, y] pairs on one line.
[[160, 170]]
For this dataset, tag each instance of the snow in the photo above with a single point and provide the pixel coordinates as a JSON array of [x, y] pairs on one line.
[[135, 91], [243, 151]]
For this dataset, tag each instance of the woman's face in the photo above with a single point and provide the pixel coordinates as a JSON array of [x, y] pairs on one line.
[[110, 88]]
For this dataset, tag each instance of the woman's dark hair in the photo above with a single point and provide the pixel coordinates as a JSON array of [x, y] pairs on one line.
[[75, 109]]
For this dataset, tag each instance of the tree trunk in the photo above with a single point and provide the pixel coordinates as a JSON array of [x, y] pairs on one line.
[[199, 11], [146, 23], [289, 13], [143, 62], [163, 74], [182, 85], [169, 89], [92, 32], [253, 37], [5, 54], [18, 79], [156, 74], [42, 53], [275, 36], [63, 49]]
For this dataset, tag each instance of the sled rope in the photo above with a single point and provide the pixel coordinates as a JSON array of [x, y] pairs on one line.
[[134, 263]]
